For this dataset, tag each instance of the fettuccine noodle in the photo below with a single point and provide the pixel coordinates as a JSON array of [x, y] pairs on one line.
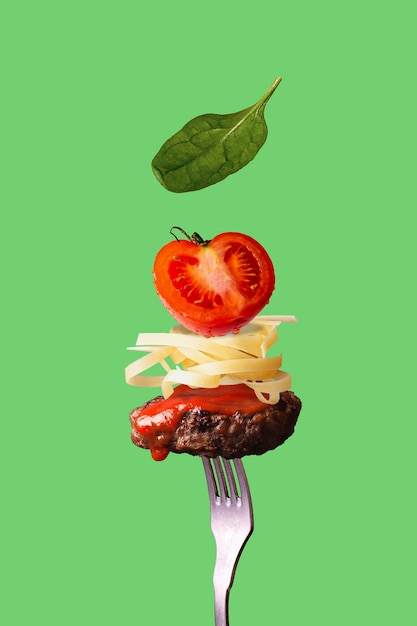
[[196, 361]]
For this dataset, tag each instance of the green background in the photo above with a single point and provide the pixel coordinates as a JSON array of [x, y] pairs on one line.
[[93, 530]]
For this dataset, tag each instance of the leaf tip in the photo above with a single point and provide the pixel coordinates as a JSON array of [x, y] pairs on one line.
[[158, 174]]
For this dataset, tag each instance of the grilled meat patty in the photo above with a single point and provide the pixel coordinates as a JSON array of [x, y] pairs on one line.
[[203, 433]]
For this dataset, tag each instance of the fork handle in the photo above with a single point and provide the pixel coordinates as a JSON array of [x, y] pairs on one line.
[[224, 573], [221, 607]]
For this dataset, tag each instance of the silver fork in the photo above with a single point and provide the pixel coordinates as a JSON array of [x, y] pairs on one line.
[[231, 522]]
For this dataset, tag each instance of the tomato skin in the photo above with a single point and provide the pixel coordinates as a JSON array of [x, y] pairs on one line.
[[216, 287]]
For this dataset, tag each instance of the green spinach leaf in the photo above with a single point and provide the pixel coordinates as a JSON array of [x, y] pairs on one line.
[[211, 147]]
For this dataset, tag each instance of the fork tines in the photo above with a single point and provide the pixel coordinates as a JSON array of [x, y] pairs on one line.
[[224, 479], [228, 485]]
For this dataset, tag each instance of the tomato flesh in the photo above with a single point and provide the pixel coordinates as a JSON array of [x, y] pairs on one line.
[[214, 288]]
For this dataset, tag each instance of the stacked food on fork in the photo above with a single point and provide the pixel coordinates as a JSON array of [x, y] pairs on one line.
[[222, 397], [221, 394]]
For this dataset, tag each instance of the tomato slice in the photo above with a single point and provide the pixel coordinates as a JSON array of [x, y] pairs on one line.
[[215, 287]]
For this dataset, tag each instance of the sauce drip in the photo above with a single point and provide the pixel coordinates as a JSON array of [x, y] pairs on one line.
[[157, 422]]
